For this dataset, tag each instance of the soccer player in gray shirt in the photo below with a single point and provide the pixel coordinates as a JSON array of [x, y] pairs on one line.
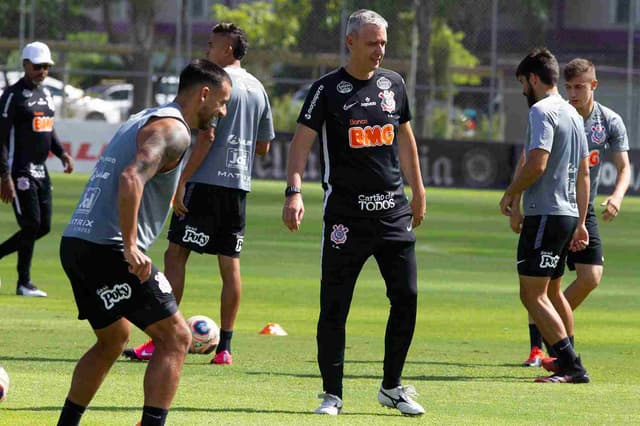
[[605, 131], [209, 203], [553, 178]]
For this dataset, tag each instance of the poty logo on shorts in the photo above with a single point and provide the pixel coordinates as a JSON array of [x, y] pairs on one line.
[[239, 243], [548, 260], [114, 295], [192, 236], [339, 234]]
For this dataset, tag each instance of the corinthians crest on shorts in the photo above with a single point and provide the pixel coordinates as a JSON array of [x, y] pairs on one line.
[[339, 234], [598, 133]]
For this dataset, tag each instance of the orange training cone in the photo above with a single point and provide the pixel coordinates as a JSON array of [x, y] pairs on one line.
[[273, 329]]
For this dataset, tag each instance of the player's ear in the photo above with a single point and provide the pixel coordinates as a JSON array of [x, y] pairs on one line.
[[594, 84], [205, 91]]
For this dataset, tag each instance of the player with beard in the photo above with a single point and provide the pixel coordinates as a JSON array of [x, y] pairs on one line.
[[553, 179]]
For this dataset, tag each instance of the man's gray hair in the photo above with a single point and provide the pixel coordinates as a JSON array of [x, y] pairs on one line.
[[361, 17]]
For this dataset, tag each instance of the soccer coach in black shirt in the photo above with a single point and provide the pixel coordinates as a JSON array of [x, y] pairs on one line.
[[361, 114], [27, 108]]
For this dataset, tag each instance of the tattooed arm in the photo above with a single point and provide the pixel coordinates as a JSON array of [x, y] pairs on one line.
[[161, 144]]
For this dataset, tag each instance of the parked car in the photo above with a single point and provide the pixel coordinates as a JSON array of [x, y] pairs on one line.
[[76, 104], [119, 95]]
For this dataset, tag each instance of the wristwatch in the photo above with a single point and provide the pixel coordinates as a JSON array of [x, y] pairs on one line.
[[290, 190]]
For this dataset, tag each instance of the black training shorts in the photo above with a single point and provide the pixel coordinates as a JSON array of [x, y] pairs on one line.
[[106, 291], [543, 246], [215, 221], [593, 254]]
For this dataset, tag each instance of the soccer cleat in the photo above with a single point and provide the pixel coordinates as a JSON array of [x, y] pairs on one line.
[[551, 364], [535, 358], [331, 404], [400, 398], [29, 289], [580, 376], [140, 353], [223, 357]]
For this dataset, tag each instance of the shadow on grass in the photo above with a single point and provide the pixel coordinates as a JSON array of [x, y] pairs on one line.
[[422, 378], [37, 359], [204, 410]]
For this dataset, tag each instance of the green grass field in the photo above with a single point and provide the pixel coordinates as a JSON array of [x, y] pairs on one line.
[[470, 338]]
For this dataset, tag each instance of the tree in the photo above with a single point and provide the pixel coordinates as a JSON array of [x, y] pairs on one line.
[[141, 35]]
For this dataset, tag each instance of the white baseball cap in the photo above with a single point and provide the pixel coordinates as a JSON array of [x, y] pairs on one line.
[[37, 53]]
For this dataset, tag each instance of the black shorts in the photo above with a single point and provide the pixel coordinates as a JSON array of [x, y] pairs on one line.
[[543, 245], [593, 254], [106, 291], [349, 241], [215, 221]]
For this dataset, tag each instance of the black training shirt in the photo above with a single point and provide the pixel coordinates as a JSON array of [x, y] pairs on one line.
[[357, 122], [29, 110]]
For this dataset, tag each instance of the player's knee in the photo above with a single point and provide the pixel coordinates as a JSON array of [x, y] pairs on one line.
[[29, 230], [590, 282], [114, 343], [44, 229], [175, 254], [177, 339]]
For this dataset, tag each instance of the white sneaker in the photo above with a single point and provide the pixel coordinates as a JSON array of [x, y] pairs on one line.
[[331, 404], [29, 290], [400, 398]]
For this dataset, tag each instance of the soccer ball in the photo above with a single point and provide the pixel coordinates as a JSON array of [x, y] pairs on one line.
[[4, 383], [205, 334]]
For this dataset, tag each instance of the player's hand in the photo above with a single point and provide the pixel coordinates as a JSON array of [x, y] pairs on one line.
[[515, 220], [580, 239], [139, 263], [207, 135], [611, 208], [418, 209], [505, 204], [7, 190], [178, 201], [67, 162], [293, 212]]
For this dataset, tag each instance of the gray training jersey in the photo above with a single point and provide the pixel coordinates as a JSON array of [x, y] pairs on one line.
[[230, 160], [556, 127], [604, 128], [96, 217]]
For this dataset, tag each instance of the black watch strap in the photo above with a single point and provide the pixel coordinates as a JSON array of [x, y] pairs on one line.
[[290, 190]]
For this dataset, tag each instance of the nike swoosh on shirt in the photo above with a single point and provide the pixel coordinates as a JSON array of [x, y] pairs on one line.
[[520, 261], [346, 107]]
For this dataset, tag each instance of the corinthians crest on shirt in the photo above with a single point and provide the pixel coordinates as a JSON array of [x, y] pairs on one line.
[[598, 133], [388, 103]]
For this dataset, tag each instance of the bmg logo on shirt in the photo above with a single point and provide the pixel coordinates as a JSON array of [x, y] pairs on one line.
[[237, 159], [371, 136], [42, 124]]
